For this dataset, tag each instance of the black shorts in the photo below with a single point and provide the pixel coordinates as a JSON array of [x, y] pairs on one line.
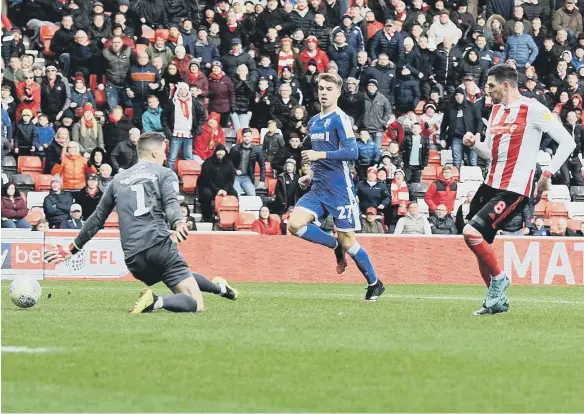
[[159, 263], [491, 209]]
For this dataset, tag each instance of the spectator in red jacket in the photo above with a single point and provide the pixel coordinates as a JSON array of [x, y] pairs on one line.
[[205, 144], [265, 224], [14, 208], [442, 191], [29, 95], [313, 52]]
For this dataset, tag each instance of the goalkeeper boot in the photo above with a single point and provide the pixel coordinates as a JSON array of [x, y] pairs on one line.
[[226, 290], [145, 303]]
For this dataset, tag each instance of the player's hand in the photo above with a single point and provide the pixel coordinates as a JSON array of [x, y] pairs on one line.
[[311, 155], [469, 139], [304, 181], [58, 254], [238, 172], [526, 231], [544, 184], [222, 193], [380, 207], [181, 232]]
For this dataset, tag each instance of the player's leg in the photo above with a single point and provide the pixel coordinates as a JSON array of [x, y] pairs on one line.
[[218, 286], [348, 242]]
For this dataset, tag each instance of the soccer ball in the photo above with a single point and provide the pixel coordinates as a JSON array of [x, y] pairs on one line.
[[25, 292]]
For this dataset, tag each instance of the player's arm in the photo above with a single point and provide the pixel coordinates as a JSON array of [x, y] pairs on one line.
[[547, 123], [169, 188], [93, 224], [347, 145]]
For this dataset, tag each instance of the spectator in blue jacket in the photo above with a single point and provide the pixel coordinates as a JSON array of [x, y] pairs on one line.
[[189, 36], [45, 135], [353, 33], [205, 51], [521, 48], [343, 55], [369, 154], [152, 118]]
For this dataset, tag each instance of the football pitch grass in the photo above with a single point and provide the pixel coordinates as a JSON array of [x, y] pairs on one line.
[[294, 347]]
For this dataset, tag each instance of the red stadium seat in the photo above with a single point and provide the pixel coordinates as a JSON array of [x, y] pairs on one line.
[[34, 215], [574, 224], [271, 185], [243, 221], [269, 170], [255, 136], [29, 164], [188, 167], [226, 203], [189, 183], [129, 112], [100, 98], [429, 173], [148, 33], [227, 219], [161, 32], [46, 34], [112, 222], [540, 208], [93, 82], [42, 182], [434, 157], [420, 108], [556, 209]]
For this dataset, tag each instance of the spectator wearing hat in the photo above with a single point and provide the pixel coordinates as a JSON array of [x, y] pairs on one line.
[[388, 41], [461, 117], [471, 69], [431, 122], [521, 48], [353, 33], [287, 58], [143, 80], [400, 195], [416, 153], [287, 188], [343, 54], [441, 222], [204, 51], [80, 95], [75, 222], [321, 30], [237, 57], [117, 64], [244, 158], [376, 113], [392, 160], [352, 101], [532, 91], [371, 193], [310, 89], [57, 205], [14, 208], [89, 196], [28, 93], [125, 154], [313, 52], [174, 38], [116, 129], [568, 18], [221, 93], [301, 16], [370, 224], [212, 135], [368, 154], [407, 90], [413, 222], [87, 132], [265, 225], [182, 61], [55, 94], [25, 134], [159, 49]]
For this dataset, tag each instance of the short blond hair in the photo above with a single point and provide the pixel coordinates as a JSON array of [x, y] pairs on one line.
[[332, 78]]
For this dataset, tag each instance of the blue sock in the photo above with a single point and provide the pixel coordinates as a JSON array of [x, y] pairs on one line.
[[363, 262], [314, 234]]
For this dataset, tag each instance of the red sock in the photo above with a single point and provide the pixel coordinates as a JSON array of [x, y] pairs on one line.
[[485, 272], [484, 253]]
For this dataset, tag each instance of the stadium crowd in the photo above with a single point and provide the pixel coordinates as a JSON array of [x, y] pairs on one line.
[[232, 85]]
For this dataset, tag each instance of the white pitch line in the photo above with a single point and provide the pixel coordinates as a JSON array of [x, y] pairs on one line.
[[29, 350]]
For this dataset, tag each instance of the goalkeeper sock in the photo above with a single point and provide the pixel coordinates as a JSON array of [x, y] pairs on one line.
[[314, 234], [363, 262], [206, 285], [179, 302]]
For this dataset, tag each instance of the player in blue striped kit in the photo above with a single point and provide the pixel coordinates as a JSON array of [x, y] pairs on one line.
[[333, 149]]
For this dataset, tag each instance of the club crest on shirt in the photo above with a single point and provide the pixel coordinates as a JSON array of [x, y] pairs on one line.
[[327, 123]]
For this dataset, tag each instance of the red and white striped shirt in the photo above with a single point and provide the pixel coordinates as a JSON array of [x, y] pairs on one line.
[[513, 138]]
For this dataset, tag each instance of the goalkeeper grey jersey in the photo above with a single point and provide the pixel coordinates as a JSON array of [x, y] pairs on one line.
[[145, 197]]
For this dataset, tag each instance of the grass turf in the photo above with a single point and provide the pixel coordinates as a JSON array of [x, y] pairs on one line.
[[295, 347]]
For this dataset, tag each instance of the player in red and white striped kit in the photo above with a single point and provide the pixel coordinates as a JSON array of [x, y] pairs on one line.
[[511, 143]]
